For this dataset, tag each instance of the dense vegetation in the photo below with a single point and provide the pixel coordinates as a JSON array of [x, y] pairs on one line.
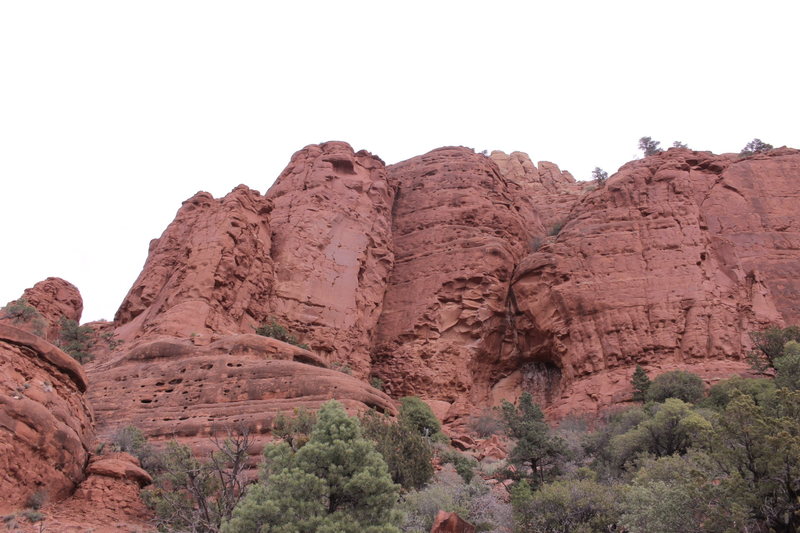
[[682, 459]]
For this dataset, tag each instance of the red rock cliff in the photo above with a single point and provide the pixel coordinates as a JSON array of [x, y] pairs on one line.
[[447, 277]]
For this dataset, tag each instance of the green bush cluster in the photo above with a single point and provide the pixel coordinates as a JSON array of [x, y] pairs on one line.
[[76, 340], [21, 312], [682, 461], [276, 331]]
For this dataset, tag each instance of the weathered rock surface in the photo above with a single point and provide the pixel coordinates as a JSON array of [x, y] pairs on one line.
[[457, 237], [107, 501], [672, 263], [54, 299], [545, 195], [446, 277], [45, 423], [210, 273], [332, 249], [446, 522], [174, 389]]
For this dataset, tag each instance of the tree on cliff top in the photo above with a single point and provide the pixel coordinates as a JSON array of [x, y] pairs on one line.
[[649, 146], [755, 146]]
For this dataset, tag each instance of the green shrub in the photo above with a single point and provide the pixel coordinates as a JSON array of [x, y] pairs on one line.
[[640, 382], [408, 455], [192, 494], [670, 428], [21, 312], [676, 384], [276, 331], [680, 494], [566, 505], [76, 340], [417, 414], [337, 482], [769, 345], [344, 368], [787, 367], [295, 430], [473, 501], [600, 176], [464, 464], [537, 452], [376, 383], [132, 440], [33, 516], [762, 390], [36, 500], [556, 228]]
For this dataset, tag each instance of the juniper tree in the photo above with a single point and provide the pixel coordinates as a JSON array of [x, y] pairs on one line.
[[336, 483]]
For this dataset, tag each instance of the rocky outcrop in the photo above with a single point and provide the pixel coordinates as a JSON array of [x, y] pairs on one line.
[[45, 423], [671, 263], [544, 195], [53, 299], [466, 279], [446, 522], [457, 237], [107, 501], [210, 273], [174, 389], [313, 254], [332, 250]]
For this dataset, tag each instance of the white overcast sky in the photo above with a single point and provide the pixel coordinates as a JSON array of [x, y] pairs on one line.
[[112, 113]]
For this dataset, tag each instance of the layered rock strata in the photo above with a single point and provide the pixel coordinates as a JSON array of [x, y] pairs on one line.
[[457, 236], [671, 263], [175, 389], [45, 423], [53, 299], [332, 249]]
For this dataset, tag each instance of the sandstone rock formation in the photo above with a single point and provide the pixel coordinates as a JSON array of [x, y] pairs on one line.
[[107, 501], [53, 299], [446, 522], [174, 389], [209, 273], [457, 237], [672, 263], [332, 249], [448, 275], [45, 424]]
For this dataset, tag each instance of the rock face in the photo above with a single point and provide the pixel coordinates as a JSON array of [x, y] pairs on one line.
[[107, 501], [53, 299], [446, 522], [464, 279], [672, 263], [457, 237], [312, 255], [332, 249], [544, 195], [174, 389], [209, 273], [45, 424]]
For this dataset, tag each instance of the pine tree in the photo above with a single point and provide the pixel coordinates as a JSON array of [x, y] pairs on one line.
[[640, 382], [649, 146], [336, 483], [537, 451], [600, 176]]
